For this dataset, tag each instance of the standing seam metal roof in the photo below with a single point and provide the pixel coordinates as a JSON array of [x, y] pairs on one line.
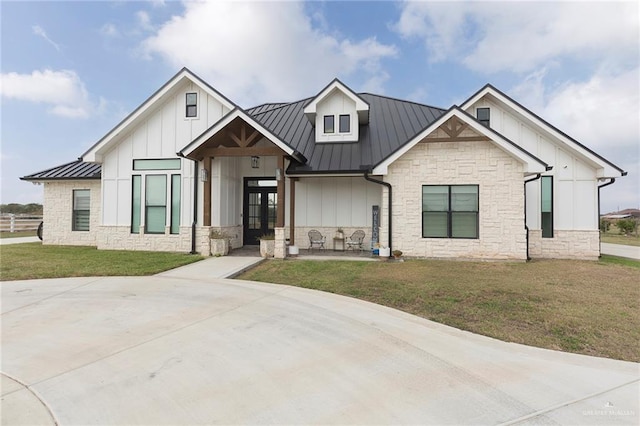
[[392, 123], [75, 170]]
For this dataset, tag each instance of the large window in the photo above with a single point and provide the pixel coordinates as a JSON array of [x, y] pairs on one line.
[[81, 209], [450, 211], [546, 206], [155, 204], [155, 201]]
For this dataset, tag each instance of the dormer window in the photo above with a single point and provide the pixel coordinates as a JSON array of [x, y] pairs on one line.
[[483, 116], [345, 123], [329, 125], [192, 105]]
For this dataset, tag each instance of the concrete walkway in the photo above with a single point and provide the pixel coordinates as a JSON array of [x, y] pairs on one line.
[[173, 350], [629, 252]]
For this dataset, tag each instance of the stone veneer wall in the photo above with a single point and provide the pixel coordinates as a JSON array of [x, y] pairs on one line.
[[121, 238], [501, 199], [58, 213], [565, 245]]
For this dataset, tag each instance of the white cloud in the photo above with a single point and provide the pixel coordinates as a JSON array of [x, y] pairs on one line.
[[110, 30], [522, 36], [144, 20], [263, 51], [63, 90], [39, 31]]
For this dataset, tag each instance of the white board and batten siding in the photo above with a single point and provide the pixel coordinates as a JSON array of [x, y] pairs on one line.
[[161, 133], [335, 202], [575, 199]]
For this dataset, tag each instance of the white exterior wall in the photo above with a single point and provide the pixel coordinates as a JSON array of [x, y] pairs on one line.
[[161, 133], [335, 104], [575, 204], [58, 213], [326, 203], [499, 177]]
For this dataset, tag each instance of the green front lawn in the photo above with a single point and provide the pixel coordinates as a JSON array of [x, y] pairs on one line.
[[34, 260], [18, 234], [585, 307]]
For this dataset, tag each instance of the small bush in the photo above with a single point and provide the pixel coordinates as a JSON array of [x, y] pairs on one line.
[[605, 225]]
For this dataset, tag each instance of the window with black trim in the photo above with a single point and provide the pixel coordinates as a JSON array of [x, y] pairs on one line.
[[81, 209], [344, 124], [329, 124], [484, 116], [546, 206], [450, 211], [192, 105]]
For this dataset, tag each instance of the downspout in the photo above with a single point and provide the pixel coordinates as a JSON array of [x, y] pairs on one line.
[[195, 204], [611, 182], [526, 228], [388, 185]]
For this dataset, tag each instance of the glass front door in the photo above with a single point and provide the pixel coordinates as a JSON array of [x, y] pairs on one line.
[[259, 212]]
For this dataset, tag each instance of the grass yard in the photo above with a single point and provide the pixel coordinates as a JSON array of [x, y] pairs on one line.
[[33, 261], [18, 234], [585, 307]]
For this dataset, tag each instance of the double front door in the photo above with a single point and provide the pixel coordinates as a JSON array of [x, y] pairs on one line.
[[259, 212]]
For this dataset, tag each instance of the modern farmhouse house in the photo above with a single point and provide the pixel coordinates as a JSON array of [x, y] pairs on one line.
[[487, 179]]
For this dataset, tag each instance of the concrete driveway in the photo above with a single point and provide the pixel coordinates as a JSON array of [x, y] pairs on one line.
[[169, 350]]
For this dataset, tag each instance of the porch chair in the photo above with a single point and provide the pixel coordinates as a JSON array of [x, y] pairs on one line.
[[355, 240], [316, 238]]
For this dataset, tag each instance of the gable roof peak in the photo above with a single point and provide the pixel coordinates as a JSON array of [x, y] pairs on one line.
[[362, 106]]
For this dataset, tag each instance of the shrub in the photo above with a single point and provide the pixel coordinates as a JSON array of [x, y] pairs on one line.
[[605, 225]]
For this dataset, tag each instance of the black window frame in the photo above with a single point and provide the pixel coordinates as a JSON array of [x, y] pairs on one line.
[[451, 213], [332, 128], [76, 211], [482, 120], [347, 123], [191, 109]]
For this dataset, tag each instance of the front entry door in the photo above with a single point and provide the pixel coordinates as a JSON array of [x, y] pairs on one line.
[[259, 212]]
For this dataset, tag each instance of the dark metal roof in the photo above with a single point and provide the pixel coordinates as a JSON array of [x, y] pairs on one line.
[[392, 123], [75, 170]]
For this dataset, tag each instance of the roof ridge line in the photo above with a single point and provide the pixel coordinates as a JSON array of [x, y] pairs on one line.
[[403, 100]]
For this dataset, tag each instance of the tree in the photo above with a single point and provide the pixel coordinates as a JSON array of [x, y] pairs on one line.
[[605, 225], [627, 226]]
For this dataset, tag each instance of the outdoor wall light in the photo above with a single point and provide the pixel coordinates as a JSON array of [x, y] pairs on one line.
[[204, 176], [255, 162], [278, 174]]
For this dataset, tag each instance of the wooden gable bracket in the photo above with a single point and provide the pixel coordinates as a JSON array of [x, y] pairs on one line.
[[453, 127], [243, 141]]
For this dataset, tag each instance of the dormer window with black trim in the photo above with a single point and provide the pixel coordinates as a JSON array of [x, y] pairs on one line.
[[345, 123], [192, 105], [483, 116], [329, 124]]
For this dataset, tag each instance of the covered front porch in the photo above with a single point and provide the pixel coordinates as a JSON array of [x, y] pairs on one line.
[[244, 192]]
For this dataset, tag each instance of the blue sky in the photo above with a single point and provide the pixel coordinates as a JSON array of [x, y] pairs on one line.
[[72, 70]]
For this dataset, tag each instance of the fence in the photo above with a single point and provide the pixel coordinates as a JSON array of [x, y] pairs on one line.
[[18, 223]]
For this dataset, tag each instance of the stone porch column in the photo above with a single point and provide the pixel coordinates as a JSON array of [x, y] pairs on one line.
[[280, 250]]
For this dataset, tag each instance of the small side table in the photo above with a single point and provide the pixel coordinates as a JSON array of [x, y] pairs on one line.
[[336, 241]]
